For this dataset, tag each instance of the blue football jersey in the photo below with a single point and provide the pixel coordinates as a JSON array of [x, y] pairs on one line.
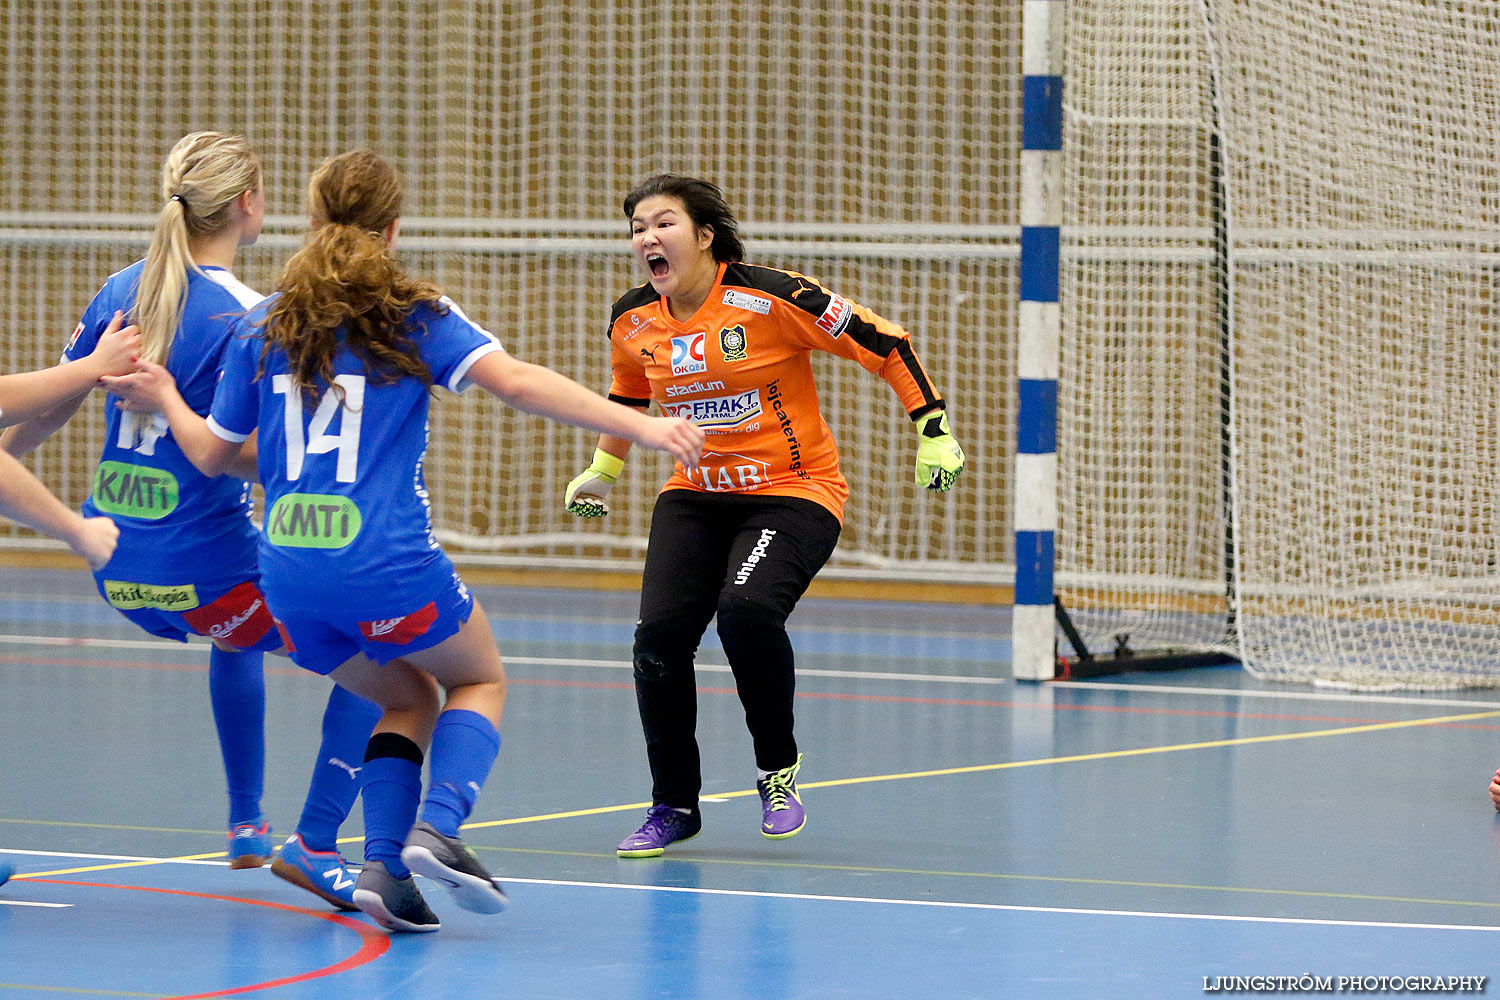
[[348, 527], [177, 526]]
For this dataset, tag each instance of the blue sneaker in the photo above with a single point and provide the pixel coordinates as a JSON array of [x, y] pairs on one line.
[[781, 814], [6, 871], [249, 845], [322, 873], [664, 825]]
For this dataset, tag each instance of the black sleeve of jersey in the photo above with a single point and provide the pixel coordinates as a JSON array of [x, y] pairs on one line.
[[639, 296], [629, 400], [813, 299]]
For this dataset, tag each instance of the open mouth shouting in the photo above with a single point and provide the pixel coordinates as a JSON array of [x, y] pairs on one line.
[[657, 265]]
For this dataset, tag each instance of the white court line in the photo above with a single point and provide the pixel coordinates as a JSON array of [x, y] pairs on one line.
[[197, 648], [110, 857], [876, 900], [163, 645], [1007, 907], [86, 857], [1351, 697]]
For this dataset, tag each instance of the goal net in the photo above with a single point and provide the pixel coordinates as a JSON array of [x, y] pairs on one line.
[[1279, 427], [868, 146]]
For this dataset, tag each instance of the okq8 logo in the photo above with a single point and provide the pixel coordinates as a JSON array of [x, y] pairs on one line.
[[687, 354]]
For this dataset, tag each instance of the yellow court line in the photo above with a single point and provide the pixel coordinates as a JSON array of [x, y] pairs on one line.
[[75, 991], [1145, 751], [1009, 765], [116, 865], [102, 826], [943, 772]]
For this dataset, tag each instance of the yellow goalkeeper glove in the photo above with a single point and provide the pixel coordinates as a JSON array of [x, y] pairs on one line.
[[939, 458], [585, 496]]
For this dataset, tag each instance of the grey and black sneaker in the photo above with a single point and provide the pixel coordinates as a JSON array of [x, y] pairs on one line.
[[449, 861], [395, 904]]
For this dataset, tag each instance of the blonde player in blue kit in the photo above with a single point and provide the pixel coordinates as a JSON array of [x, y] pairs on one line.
[[186, 561], [335, 373]]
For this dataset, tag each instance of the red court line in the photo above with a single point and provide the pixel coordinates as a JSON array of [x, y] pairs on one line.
[[373, 943]]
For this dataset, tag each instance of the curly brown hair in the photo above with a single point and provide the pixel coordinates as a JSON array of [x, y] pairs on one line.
[[346, 277]]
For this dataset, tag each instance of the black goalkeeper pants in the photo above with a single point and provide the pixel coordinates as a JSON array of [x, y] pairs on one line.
[[747, 560]]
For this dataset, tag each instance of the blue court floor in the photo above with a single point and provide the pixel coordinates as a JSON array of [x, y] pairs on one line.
[[968, 836]]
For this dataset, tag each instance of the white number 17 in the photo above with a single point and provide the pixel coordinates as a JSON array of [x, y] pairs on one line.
[[319, 441]]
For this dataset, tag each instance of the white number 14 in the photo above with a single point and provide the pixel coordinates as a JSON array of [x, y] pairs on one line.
[[319, 441]]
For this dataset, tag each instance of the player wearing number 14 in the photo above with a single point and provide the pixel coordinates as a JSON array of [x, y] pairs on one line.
[[186, 560], [334, 372]]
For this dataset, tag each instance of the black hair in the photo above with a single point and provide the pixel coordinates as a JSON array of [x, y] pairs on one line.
[[705, 206]]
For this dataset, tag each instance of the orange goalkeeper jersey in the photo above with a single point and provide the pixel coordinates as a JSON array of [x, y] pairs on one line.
[[740, 368]]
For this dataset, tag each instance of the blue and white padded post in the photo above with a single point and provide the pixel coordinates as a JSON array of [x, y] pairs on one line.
[[1033, 633]]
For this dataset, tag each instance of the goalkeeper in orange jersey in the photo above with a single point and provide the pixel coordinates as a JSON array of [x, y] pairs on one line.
[[727, 345]]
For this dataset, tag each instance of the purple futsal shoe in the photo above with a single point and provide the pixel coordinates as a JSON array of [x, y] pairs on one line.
[[781, 814], [664, 825]]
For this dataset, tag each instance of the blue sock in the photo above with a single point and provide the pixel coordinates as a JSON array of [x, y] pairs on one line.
[[392, 788], [237, 690], [464, 746], [347, 722]]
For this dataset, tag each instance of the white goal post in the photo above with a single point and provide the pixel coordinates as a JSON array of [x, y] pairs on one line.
[[1278, 425]]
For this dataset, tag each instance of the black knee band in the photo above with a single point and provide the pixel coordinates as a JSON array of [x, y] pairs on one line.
[[392, 745]]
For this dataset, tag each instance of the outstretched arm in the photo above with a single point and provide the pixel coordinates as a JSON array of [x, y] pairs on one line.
[[24, 438], [151, 389], [23, 498], [60, 389], [542, 391]]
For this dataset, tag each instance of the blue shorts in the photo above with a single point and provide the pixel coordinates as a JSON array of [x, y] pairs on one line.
[[234, 613], [323, 643]]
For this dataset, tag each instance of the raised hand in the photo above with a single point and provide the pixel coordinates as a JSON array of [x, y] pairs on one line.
[[118, 345], [680, 438]]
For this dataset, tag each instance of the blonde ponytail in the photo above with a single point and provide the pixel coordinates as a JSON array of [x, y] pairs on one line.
[[203, 175]]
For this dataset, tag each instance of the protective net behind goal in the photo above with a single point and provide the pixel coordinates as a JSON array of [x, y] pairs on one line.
[[869, 146], [1279, 433]]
